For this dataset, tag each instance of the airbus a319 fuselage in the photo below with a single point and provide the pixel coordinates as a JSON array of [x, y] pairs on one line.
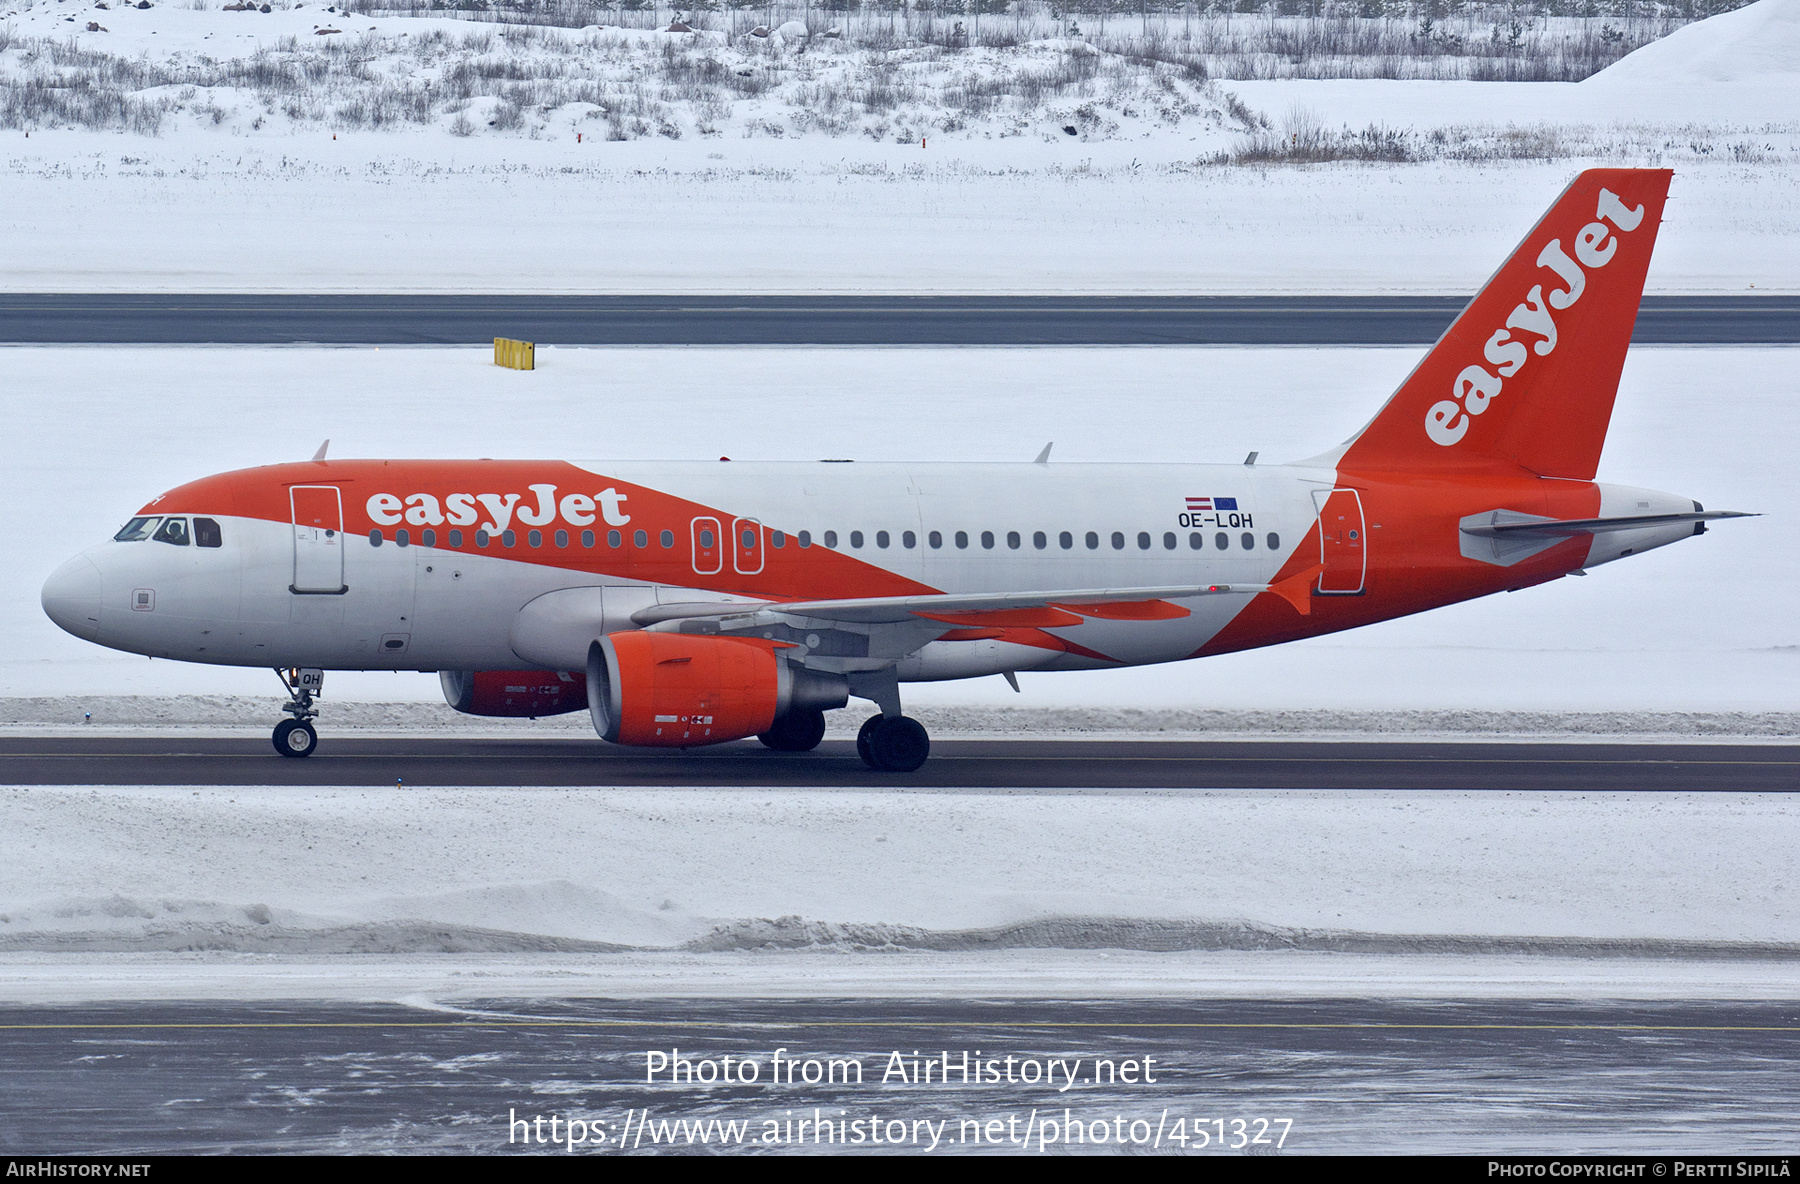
[[694, 603]]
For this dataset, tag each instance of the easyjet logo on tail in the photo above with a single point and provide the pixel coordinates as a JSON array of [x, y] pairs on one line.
[[1530, 327]]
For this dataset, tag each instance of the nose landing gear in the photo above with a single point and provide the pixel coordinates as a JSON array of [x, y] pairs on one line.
[[296, 737]]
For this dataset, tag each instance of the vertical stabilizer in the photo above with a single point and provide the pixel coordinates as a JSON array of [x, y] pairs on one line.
[[1527, 374]]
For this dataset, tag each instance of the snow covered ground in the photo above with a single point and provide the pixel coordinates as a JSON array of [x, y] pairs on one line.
[[1702, 626], [705, 885], [228, 196]]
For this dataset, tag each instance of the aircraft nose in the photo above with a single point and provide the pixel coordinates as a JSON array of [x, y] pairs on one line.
[[72, 597]]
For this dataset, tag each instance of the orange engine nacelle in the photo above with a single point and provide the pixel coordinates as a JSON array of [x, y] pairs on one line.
[[514, 692], [677, 690]]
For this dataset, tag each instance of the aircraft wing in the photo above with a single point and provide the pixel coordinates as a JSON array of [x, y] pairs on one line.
[[998, 608]]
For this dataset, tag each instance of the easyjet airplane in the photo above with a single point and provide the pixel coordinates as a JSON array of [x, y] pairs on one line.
[[685, 604]]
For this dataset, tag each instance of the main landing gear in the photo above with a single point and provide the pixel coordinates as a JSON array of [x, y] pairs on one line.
[[889, 742], [296, 737], [800, 730], [893, 743]]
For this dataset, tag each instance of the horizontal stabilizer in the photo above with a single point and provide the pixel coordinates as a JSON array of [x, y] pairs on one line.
[[1499, 524]]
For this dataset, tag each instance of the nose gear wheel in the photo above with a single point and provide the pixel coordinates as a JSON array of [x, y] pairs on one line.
[[295, 737]]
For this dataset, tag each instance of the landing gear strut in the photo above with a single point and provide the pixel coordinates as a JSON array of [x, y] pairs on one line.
[[296, 737]]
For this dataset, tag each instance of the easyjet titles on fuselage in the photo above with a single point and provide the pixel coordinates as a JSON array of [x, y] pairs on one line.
[[460, 509]]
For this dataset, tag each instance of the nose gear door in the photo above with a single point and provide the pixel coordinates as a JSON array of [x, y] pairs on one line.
[[318, 540], [1342, 542]]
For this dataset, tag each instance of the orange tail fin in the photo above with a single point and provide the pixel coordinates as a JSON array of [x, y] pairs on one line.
[[1528, 372]]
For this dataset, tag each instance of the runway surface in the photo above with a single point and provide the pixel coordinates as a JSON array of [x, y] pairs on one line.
[[55, 318], [1074, 765], [1302, 1077]]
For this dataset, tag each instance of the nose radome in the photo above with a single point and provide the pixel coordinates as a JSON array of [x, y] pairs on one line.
[[71, 597]]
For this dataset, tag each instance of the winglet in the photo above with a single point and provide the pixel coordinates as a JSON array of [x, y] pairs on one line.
[[320, 454], [1297, 589], [1043, 458]]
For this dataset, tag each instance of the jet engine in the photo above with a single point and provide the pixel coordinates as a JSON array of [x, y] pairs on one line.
[[677, 690], [514, 692]]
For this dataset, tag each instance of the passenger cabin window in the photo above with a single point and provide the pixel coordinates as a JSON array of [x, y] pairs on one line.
[[136, 530], [207, 533], [173, 530]]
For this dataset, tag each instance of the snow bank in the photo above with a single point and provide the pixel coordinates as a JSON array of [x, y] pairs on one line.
[[137, 715], [460, 983], [379, 871], [1759, 43], [1705, 626]]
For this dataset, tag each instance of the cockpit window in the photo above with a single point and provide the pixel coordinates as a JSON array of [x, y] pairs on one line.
[[136, 530], [206, 533], [173, 530]]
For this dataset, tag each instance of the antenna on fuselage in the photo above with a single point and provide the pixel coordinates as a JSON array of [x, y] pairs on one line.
[[1251, 459], [320, 454], [1043, 458]]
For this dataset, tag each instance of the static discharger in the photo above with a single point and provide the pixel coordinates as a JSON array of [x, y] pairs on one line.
[[515, 355]]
